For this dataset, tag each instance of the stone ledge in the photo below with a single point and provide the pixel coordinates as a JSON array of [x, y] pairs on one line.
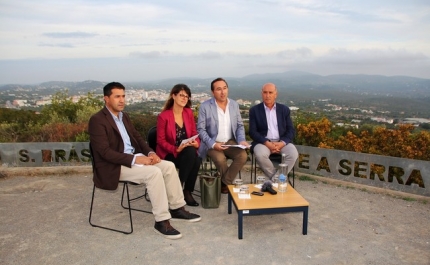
[[43, 171]]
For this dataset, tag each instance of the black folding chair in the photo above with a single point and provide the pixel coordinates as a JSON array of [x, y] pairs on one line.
[[128, 207]]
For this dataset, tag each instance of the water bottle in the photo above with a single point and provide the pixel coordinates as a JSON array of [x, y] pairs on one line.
[[282, 186]]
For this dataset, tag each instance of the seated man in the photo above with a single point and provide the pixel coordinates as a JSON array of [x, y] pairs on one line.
[[220, 124], [120, 153], [272, 131]]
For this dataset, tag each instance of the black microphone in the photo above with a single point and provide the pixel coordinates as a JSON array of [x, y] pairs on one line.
[[267, 186]]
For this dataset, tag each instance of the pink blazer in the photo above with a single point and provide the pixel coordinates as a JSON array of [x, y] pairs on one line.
[[166, 131]]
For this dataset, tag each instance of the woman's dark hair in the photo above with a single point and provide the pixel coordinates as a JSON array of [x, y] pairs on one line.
[[175, 90], [216, 80], [107, 90]]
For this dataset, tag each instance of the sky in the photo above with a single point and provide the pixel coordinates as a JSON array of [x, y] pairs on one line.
[[134, 40]]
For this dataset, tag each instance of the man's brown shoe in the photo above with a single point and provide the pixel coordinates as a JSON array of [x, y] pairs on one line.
[[224, 189]]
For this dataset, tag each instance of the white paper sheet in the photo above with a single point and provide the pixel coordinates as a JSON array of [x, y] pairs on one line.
[[190, 139], [235, 145]]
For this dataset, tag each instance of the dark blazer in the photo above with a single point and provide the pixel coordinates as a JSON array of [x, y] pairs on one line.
[[258, 124], [108, 148], [166, 131]]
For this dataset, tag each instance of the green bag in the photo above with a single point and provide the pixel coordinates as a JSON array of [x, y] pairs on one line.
[[210, 189]]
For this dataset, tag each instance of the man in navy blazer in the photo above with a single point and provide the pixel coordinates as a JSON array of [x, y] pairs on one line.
[[272, 131], [220, 124]]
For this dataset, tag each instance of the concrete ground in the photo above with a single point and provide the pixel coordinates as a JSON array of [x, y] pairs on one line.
[[44, 220]]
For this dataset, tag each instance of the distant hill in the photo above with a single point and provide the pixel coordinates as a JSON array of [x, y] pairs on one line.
[[394, 86], [296, 84]]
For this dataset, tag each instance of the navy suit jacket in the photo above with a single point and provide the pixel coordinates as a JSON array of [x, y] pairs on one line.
[[258, 124]]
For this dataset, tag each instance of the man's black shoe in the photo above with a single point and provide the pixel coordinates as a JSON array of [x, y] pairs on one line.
[[182, 214], [165, 229]]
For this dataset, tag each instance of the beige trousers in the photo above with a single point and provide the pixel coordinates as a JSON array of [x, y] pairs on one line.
[[162, 182]]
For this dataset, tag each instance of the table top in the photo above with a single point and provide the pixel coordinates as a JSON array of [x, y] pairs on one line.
[[291, 198]]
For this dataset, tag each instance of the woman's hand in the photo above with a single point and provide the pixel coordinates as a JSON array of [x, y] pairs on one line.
[[194, 144]]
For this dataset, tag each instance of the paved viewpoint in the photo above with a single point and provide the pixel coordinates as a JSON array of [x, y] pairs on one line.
[[44, 220]]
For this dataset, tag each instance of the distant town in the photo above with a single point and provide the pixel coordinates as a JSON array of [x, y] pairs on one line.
[[351, 116], [346, 100]]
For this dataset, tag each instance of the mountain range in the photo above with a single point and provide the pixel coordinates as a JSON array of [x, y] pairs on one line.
[[296, 84]]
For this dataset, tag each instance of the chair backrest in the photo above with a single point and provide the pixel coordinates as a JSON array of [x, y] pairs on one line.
[[276, 158], [152, 138], [92, 157]]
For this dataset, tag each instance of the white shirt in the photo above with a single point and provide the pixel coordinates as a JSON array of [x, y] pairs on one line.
[[224, 124]]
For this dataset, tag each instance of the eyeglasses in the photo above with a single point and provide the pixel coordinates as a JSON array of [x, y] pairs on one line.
[[183, 96]]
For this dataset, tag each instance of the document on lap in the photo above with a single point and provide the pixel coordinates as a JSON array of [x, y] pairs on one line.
[[189, 139], [235, 145]]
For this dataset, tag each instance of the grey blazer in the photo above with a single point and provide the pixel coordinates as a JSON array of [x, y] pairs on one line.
[[207, 124]]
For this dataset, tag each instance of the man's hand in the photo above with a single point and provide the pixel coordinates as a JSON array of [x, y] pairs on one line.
[[245, 143], [218, 147], [143, 160], [279, 146], [155, 158], [272, 147]]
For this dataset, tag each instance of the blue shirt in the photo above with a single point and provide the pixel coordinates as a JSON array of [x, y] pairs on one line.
[[128, 148]]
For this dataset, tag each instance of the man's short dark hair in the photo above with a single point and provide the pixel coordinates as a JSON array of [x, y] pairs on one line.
[[107, 90], [216, 80]]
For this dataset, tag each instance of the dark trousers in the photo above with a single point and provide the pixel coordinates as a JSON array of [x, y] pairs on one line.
[[188, 163]]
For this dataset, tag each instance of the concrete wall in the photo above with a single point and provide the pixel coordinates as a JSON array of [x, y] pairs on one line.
[[407, 175]]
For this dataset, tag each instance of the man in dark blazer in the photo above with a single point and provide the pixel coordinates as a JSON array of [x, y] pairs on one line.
[[272, 131], [120, 153]]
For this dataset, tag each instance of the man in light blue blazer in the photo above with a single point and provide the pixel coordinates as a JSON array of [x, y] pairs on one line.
[[220, 124], [272, 131]]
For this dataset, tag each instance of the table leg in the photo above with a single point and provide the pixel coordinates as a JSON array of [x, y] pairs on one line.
[[229, 203], [305, 221], [239, 223]]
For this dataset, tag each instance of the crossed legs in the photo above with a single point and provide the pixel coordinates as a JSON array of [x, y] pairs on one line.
[[163, 184]]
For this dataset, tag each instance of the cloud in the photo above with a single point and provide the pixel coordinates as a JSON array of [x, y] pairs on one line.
[[168, 38], [299, 53], [371, 56], [61, 45], [210, 55], [146, 55], [63, 35]]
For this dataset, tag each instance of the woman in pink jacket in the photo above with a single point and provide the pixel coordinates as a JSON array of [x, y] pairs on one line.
[[175, 124]]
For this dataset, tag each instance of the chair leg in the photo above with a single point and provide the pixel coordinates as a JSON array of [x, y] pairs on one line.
[[293, 178], [255, 170], [145, 195], [108, 228], [252, 166]]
